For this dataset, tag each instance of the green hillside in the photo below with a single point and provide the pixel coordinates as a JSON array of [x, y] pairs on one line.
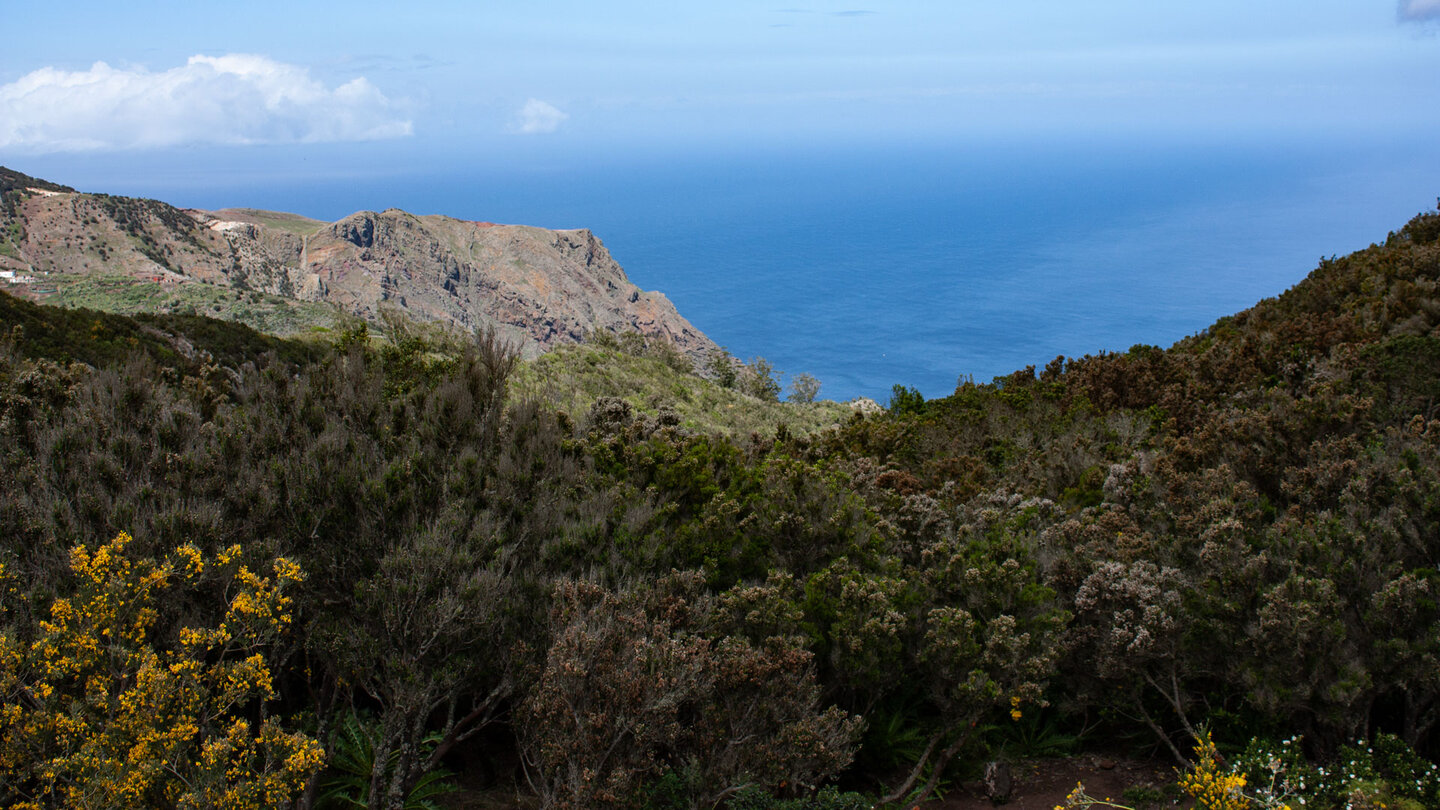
[[596, 581], [573, 378], [125, 295]]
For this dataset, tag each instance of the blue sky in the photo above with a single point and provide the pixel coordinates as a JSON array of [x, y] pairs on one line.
[[424, 79]]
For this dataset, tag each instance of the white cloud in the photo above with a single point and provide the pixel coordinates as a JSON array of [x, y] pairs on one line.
[[231, 99], [1417, 10], [537, 118]]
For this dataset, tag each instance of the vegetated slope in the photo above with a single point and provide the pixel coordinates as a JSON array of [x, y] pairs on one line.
[[1250, 524], [11, 180], [357, 464], [537, 288], [1355, 323], [1241, 531], [183, 342], [574, 378]]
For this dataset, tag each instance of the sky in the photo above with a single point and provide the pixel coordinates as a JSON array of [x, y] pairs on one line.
[[426, 81]]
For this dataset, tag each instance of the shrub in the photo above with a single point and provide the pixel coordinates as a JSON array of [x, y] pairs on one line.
[[804, 388], [1213, 787], [905, 400], [633, 689], [105, 709], [722, 367], [346, 781], [758, 380]]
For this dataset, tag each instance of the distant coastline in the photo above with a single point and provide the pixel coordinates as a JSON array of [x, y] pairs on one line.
[[870, 266]]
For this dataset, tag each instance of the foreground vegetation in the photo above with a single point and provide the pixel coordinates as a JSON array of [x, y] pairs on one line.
[[225, 554]]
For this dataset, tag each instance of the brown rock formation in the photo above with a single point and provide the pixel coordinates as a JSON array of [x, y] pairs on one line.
[[536, 287]]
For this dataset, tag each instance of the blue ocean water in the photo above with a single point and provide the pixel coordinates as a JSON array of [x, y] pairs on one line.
[[916, 264]]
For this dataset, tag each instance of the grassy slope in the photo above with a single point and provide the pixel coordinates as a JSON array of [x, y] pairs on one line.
[[279, 220], [274, 315], [574, 377], [63, 334]]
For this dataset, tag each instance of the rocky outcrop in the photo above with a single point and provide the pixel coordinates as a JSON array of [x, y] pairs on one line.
[[536, 287]]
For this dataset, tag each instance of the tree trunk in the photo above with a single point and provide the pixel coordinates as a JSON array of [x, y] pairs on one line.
[[392, 730], [325, 720], [904, 789], [467, 726], [399, 786], [938, 771], [1159, 732]]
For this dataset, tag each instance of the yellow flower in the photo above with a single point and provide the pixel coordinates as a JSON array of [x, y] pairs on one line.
[[287, 570], [190, 556], [128, 724]]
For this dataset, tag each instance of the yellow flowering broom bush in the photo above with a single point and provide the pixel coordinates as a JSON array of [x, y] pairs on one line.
[[98, 711], [1213, 786]]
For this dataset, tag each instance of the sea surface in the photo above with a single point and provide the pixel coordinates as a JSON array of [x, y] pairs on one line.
[[910, 264]]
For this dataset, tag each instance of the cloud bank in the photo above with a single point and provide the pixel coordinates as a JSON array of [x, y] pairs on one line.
[[538, 118], [231, 99], [1419, 10]]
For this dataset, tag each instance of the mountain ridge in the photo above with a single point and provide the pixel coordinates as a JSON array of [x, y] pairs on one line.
[[536, 287]]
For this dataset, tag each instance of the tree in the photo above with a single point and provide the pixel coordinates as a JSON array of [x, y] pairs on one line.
[[721, 367], [1128, 627], [416, 533], [758, 380], [804, 388], [424, 642], [905, 400]]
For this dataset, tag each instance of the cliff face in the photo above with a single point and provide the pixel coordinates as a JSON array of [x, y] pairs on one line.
[[538, 288]]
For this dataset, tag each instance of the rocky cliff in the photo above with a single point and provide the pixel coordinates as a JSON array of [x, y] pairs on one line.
[[536, 287]]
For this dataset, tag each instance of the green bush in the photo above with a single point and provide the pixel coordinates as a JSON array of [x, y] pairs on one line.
[[347, 777], [906, 401]]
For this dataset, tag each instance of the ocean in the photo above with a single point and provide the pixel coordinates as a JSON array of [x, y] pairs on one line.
[[913, 264]]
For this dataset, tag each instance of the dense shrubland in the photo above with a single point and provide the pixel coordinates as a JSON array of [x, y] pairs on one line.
[[1238, 536]]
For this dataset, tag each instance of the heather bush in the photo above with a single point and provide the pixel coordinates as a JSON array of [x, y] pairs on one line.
[[632, 688]]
